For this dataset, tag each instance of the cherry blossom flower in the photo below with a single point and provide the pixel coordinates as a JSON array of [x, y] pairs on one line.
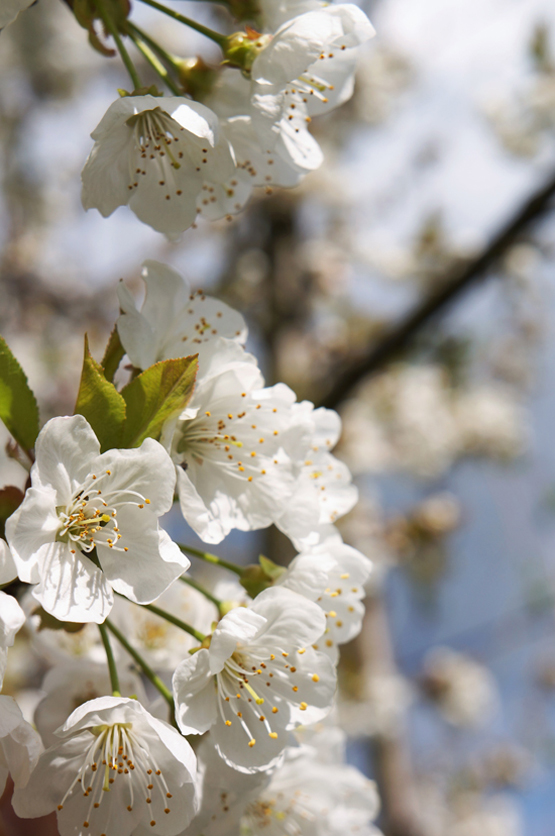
[[280, 162], [173, 322], [9, 10], [232, 471], [20, 745], [84, 506], [324, 490], [333, 575], [75, 683], [306, 795], [259, 678], [165, 158], [114, 767], [304, 69]]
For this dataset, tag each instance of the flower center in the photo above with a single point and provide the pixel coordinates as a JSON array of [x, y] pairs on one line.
[[281, 813], [90, 519], [155, 130], [116, 750]]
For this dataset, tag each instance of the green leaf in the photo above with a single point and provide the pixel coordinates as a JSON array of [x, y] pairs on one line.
[[18, 406], [100, 403], [112, 355], [157, 394], [10, 500]]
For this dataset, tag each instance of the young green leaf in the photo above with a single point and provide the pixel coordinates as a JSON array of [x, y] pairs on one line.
[[112, 355], [159, 393], [18, 406], [100, 403]]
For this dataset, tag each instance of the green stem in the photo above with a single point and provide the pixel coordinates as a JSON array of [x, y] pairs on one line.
[[212, 558], [143, 44], [195, 585], [174, 620], [198, 27], [114, 678], [112, 29], [148, 672]]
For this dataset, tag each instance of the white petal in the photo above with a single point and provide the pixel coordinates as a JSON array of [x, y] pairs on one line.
[[8, 571], [146, 470], [291, 620], [152, 563], [195, 696], [9, 10], [166, 200], [20, 745], [238, 628], [64, 449], [12, 619], [71, 587], [108, 172], [32, 527]]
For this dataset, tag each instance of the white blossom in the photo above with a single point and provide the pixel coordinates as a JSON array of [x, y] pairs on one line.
[[308, 796], [12, 618], [333, 575], [165, 158], [72, 684], [173, 322], [20, 745], [259, 678], [306, 68], [114, 767], [232, 470], [259, 163], [82, 502], [9, 10], [324, 491]]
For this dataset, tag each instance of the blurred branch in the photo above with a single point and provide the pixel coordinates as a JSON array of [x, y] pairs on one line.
[[400, 336], [389, 752]]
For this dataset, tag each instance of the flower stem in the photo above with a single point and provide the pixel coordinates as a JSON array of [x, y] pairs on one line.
[[174, 620], [114, 678], [146, 669], [195, 585], [193, 24], [212, 558], [143, 44], [112, 29]]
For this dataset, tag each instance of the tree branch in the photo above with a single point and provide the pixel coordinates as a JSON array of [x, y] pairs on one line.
[[399, 337]]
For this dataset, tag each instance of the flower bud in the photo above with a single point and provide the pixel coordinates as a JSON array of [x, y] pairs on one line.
[[242, 48]]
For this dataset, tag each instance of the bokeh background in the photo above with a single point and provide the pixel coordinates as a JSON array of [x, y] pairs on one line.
[[435, 197]]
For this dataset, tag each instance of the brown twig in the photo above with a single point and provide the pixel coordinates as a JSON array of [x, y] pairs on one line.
[[400, 335]]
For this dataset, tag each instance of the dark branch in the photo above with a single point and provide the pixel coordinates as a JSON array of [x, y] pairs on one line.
[[401, 334]]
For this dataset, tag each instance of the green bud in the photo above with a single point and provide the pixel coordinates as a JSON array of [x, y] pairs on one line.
[[196, 77], [242, 48]]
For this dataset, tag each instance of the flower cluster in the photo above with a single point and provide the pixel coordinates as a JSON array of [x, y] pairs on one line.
[[173, 158], [109, 597], [171, 704]]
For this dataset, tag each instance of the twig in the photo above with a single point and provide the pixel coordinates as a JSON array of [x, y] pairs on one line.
[[437, 302]]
